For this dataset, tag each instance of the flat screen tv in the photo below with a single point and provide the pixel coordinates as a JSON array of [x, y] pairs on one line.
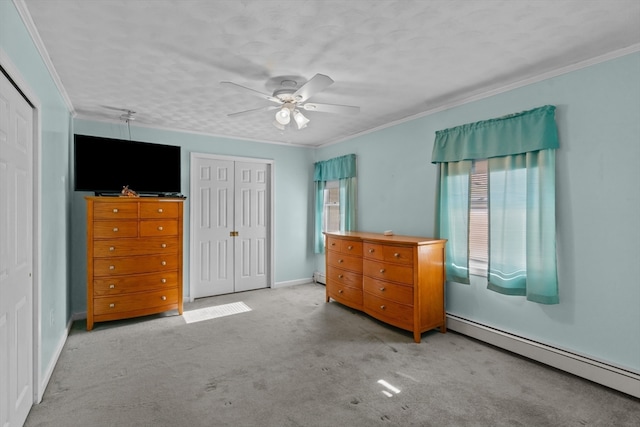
[[106, 165]]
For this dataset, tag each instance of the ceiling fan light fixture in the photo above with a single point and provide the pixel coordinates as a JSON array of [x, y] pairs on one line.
[[283, 116], [300, 119]]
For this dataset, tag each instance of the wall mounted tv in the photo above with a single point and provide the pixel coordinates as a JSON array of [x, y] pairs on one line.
[[106, 165]]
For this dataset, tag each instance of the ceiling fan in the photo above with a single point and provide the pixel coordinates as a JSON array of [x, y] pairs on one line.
[[291, 99]]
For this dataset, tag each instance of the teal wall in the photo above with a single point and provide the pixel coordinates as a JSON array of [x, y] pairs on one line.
[[53, 182], [598, 207], [292, 167]]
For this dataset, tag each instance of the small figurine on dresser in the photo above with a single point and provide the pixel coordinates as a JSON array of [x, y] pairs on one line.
[[126, 191]]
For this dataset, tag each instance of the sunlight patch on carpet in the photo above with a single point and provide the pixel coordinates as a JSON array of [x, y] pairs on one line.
[[216, 311]]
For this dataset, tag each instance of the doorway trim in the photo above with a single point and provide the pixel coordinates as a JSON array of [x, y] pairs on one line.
[[39, 384], [271, 222]]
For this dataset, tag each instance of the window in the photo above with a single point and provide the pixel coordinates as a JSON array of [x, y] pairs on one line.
[[335, 197], [479, 219], [331, 210], [496, 203]]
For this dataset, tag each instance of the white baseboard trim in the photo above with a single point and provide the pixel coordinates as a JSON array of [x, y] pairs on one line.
[[610, 376], [291, 283], [46, 377]]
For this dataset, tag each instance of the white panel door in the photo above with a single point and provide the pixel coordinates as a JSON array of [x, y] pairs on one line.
[[16, 231], [212, 203], [251, 226], [229, 230]]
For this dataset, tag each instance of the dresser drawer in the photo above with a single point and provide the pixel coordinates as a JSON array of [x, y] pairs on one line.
[[134, 265], [387, 271], [134, 302], [391, 312], [139, 283], [129, 247], [333, 244], [115, 229], [347, 262], [344, 277], [344, 294], [388, 253], [160, 227], [115, 210], [351, 247], [345, 246], [159, 210], [387, 290]]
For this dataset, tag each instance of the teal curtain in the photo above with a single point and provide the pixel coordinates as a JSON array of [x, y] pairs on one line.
[[342, 169], [522, 247], [453, 218], [348, 204], [318, 241], [522, 224]]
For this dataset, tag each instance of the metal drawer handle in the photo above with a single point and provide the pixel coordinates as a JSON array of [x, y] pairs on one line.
[[163, 280], [112, 305], [396, 255], [115, 210], [333, 244], [382, 307], [112, 286], [164, 245], [340, 291], [349, 247], [112, 248], [340, 261], [160, 228], [112, 267], [340, 276], [382, 270], [371, 250], [164, 263], [115, 229], [160, 210], [163, 298], [382, 289]]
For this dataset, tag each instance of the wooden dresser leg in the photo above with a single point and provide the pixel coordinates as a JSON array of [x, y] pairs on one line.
[[416, 336]]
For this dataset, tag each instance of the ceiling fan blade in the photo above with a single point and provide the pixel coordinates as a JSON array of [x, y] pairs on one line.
[[318, 83], [330, 108], [254, 92], [254, 110]]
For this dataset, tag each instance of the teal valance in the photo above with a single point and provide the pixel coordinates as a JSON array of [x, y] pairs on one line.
[[334, 169], [518, 133]]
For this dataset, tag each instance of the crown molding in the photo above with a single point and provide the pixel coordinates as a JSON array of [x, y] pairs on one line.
[[23, 11]]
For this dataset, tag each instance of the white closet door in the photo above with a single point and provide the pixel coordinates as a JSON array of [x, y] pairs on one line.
[[251, 226], [16, 256], [230, 206], [212, 202]]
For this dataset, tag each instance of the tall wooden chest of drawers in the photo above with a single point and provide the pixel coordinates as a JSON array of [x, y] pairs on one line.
[[134, 257], [396, 279]]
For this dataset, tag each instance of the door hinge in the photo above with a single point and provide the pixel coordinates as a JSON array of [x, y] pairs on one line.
[[233, 233]]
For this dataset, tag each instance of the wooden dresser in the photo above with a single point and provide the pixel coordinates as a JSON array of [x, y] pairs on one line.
[[134, 257], [396, 279]]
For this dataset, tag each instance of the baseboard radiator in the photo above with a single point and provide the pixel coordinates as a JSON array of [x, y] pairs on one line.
[[610, 376], [319, 278]]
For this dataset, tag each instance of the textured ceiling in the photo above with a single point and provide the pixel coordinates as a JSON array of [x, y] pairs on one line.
[[165, 59]]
